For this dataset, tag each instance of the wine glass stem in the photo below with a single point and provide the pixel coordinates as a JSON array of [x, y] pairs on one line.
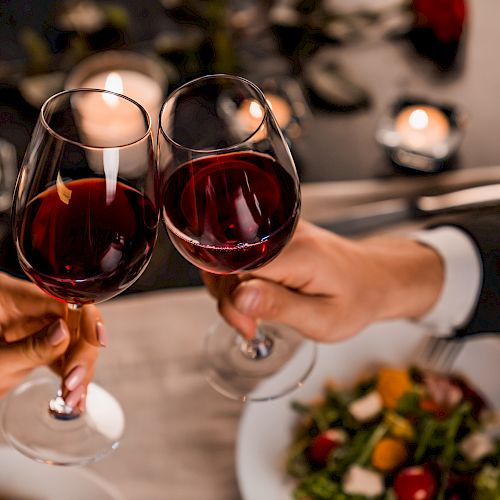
[[57, 406], [258, 347]]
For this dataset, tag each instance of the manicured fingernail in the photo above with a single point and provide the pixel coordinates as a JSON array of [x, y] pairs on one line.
[[83, 402], [74, 397], [246, 298], [57, 332], [102, 335], [75, 377]]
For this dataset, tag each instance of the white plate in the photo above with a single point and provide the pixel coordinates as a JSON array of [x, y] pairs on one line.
[[24, 479], [266, 428]]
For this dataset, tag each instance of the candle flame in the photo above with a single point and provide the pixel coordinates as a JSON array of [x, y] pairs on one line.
[[113, 83], [255, 110], [419, 119]]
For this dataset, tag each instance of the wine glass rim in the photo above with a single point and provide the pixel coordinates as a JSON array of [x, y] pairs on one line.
[[213, 77], [147, 133]]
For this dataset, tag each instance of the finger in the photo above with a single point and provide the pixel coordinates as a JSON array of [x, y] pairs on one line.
[[26, 327], [282, 269], [293, 267], [92, 327], [20, 299], [78, 372], [37, 350], [260, 299], [243, 323], [221, 287], [79, 366]]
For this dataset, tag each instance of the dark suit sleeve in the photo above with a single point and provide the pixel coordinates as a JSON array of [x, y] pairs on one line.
[[484, 230]]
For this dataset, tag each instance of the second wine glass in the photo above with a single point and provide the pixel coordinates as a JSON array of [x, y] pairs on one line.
[[231, 200]]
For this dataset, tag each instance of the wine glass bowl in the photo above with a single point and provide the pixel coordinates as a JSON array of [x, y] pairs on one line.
[[231, 194], [84, 227], [230, 203], [85, 221]]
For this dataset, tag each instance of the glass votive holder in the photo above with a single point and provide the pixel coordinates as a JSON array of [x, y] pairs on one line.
[[421, 134], [140, 77]]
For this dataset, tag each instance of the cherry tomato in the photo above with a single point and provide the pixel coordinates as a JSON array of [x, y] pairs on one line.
[[323, 444], [415, 483]]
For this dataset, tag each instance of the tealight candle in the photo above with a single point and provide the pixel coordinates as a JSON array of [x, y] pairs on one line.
[[110, 121], [139, 87], [107, 119], [422, 127], [134, 75], [421, 135], [251, 113]]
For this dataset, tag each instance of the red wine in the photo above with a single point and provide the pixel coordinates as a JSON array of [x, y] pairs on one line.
[[230, 212], [85, 241]]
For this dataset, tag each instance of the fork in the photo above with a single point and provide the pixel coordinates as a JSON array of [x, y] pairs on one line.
[[439, 353]]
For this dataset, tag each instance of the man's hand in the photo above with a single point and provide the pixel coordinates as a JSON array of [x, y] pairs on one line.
[[329, 288]]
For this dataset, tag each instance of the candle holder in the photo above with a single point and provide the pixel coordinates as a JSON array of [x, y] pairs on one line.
[[420, 134], [138, 76]]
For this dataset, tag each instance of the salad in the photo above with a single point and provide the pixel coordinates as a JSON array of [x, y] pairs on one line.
[[402, 434]]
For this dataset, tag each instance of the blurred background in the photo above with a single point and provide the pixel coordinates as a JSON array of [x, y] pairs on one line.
[[343, 76]]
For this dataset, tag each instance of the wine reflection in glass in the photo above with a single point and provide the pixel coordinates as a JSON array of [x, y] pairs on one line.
[[85, 220], [231, 200]]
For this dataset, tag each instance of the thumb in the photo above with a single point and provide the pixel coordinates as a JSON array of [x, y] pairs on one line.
[[262, 299], [40, 349]]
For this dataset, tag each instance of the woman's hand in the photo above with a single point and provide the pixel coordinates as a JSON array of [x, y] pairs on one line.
[[33, 333], [329, 288]]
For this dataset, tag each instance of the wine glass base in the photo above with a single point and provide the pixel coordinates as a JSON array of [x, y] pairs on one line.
[[30, 428], [238, 376]]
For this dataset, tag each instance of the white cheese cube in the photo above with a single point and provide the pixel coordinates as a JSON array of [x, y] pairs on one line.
[[477, 446], [361, 481], [367, 407]]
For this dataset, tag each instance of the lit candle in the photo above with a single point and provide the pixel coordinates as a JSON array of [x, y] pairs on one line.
[[422, 127], [140, 77], [251, 113], [133, 84], [249, 116], [109, 121], [280, 108]]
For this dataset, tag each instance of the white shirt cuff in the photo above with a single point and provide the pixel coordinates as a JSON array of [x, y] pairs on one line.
[[463, 277]]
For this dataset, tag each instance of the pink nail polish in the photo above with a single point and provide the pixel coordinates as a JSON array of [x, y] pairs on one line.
[[75, 377], [102, 335], [57, 332], [74, 397]]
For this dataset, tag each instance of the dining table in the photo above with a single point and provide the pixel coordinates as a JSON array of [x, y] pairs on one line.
[[181, 436]]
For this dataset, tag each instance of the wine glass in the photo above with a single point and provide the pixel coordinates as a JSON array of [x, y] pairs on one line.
[[231, 200], [85, 220]]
